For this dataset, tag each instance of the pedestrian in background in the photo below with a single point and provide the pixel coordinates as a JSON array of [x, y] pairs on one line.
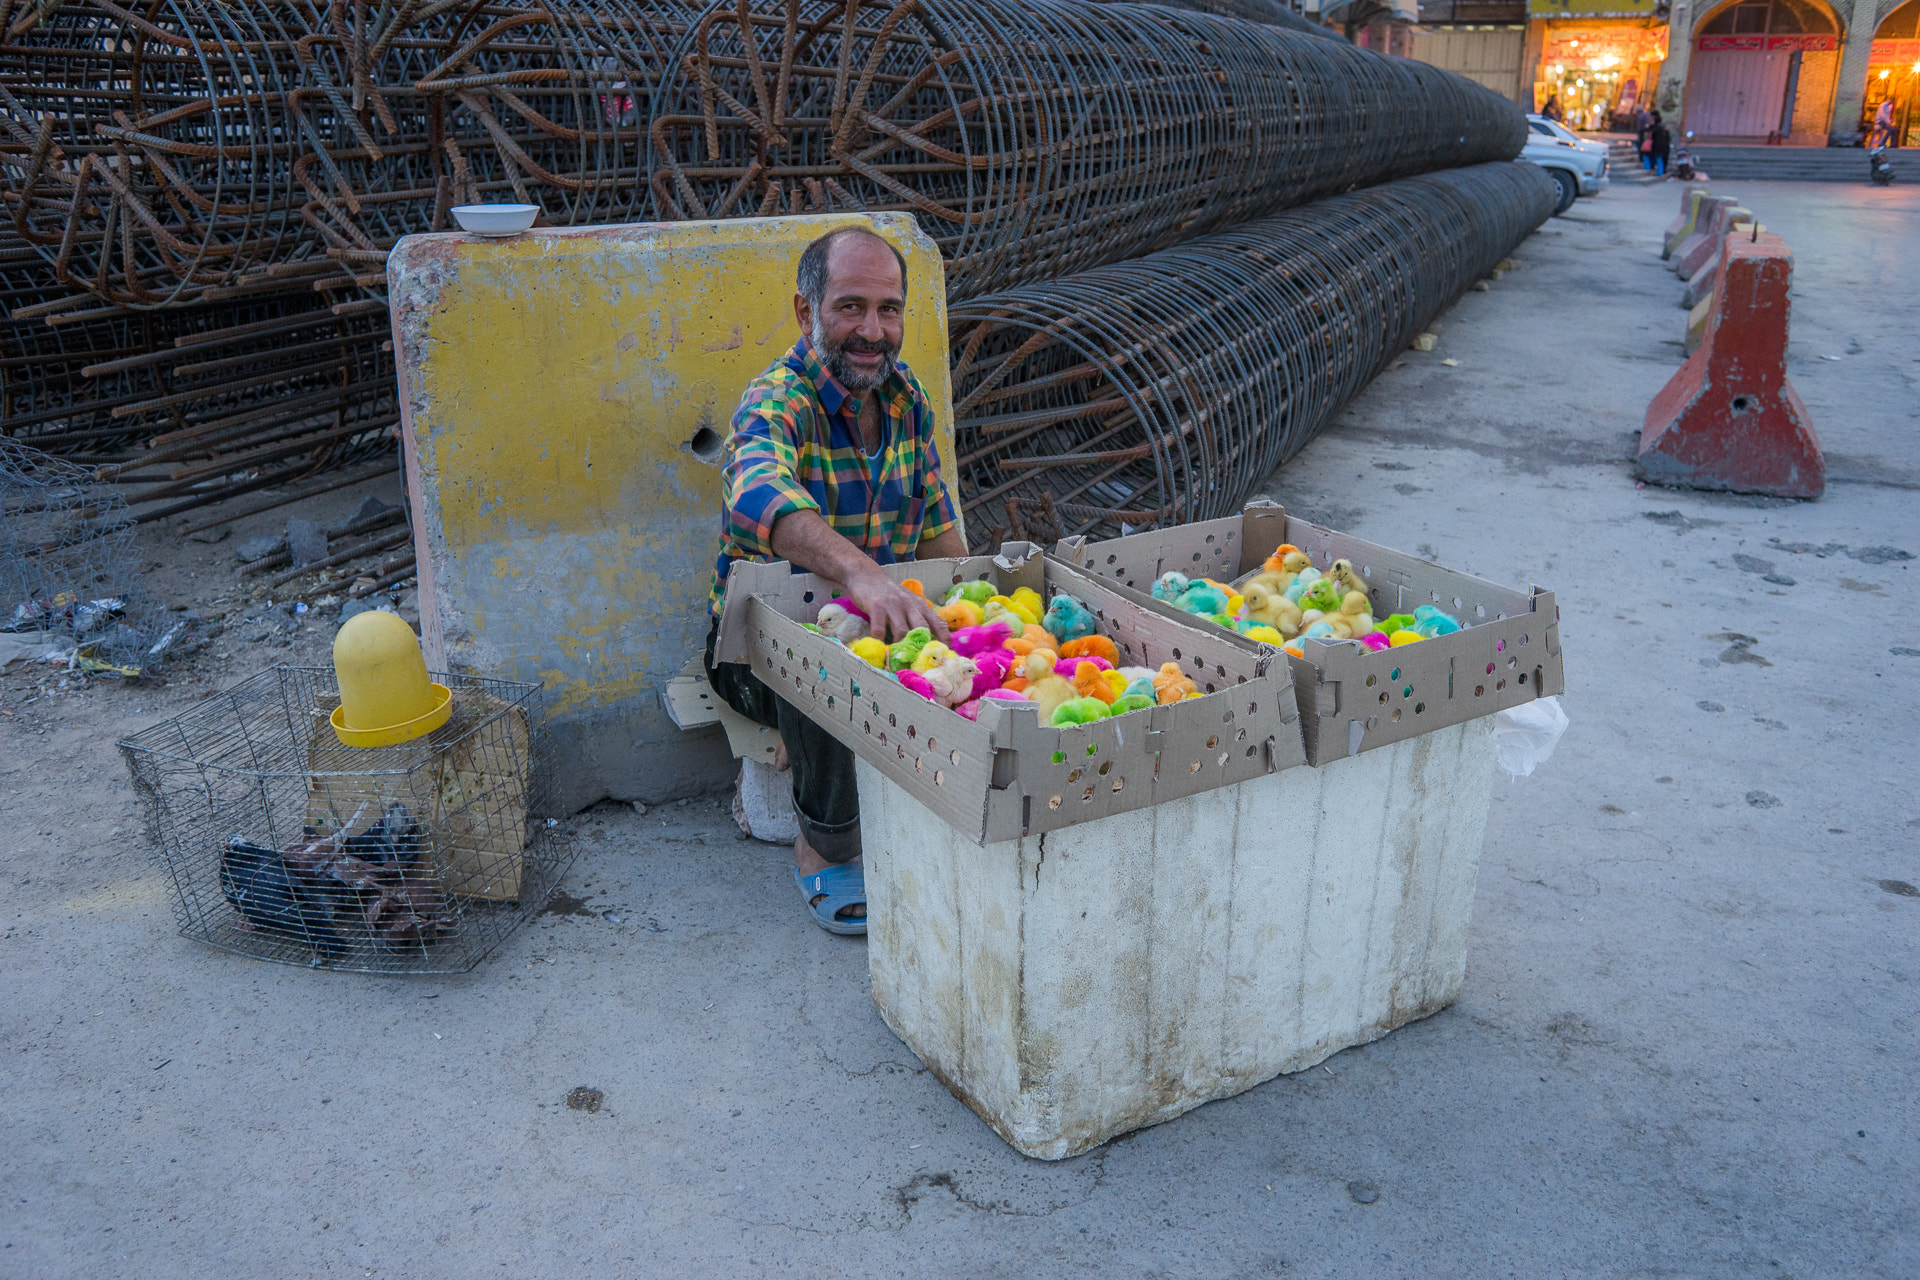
[[1662, 144], [1882, 134], [1643, 136], [1552, 110]]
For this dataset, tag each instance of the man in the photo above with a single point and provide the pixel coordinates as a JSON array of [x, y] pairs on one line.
[[1882, 133], [832, 466]]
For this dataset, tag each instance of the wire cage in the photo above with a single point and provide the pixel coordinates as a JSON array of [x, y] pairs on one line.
[[68, 562], [283, 844]]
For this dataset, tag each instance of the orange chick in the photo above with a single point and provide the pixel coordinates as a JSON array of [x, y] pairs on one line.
[[960, 614], [1172, 684], [1093, 646], [1090, 681]]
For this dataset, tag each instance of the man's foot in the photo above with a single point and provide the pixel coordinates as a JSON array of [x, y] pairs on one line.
[[836, 896], [806, 862]]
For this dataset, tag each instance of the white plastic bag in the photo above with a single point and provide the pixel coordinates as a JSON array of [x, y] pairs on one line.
[[1527, 735]]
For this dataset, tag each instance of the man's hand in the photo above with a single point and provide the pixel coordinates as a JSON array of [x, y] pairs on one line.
[[805, 539], [891, 609]]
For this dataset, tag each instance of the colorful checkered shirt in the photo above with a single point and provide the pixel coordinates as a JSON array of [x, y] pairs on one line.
[[795, 446]]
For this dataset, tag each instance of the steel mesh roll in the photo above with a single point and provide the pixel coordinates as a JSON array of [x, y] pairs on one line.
[[1038, 138], [201, 150], [1163, 390]]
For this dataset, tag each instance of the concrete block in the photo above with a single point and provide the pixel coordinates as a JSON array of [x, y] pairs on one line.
[[1074, 986], [1730, 418], [565, 396]]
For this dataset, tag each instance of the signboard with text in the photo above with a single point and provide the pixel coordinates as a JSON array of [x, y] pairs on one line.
[[1768, 43]]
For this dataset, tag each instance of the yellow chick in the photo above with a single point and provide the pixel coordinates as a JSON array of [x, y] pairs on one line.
[[1286, 559], [932, 654], [870, 650], [1341, 571], [1028, 604], [1116, 682], [1268, 607], [1045, 688], [1172, 684], [1265, 635], [1351, 620]]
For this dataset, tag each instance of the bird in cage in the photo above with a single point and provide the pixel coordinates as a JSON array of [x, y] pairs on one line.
[[261, 887]]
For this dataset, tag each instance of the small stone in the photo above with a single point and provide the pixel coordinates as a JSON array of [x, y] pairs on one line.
[[354, 608], [218, 533], [1425, 342], [639, 808], [257, 549], [1481, 286], [1763, 800], [1706, 704], [1451, 364], [585, 1099], [1778, 579], [1363, 1192], [307, 541]]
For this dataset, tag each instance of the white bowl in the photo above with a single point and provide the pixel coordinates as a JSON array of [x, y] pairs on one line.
[[495, 220]]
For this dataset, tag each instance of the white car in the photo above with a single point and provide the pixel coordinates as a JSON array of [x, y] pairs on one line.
[[1577, 164]]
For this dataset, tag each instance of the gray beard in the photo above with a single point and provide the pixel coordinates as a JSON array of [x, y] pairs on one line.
[[843, 372]]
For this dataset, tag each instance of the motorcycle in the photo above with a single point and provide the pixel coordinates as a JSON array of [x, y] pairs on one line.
[[1683, 159], [1879, 168]]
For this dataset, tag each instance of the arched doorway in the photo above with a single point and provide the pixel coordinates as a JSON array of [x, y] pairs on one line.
[[1763, 69], [1893, 72]]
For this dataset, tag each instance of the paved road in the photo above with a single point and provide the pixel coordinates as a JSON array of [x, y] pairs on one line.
[[1686, 1045]]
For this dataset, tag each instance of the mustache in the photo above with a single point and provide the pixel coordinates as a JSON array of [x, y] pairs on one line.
[[870, 348]]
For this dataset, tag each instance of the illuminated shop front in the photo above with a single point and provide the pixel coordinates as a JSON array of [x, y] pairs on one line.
[[1893, 71], [1601, 66]]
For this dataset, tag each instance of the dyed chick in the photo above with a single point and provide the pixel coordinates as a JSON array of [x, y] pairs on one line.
[[1170, 586], [1077, 711], [977, 592], [1286, 559], [257, 882], [1172, 684], [1090, 681], [1044, 688], [1068, 619], [1352, 619], [1202, 597]]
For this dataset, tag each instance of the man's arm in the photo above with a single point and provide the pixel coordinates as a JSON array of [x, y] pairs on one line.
[[946, 545], [804, 538]]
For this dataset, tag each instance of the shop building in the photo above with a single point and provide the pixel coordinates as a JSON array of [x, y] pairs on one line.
[[1797, 72], [1597, 58]]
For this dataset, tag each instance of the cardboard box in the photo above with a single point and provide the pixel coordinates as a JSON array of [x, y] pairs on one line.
[[1006, 775], [1353, 699]]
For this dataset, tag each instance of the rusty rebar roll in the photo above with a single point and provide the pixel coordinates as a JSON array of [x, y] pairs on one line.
[[1037, 138], [200, 150], [1165, 389]]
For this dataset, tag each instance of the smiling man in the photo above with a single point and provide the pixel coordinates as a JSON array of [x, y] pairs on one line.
[[832, 466]]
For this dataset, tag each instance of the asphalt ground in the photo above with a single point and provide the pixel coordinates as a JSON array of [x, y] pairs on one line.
[[1685, 1048]]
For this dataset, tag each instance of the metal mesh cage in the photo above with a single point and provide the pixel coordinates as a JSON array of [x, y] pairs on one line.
[[67, 561], [283, 844]]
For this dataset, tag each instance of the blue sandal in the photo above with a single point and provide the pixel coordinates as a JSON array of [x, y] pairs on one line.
[[845, 885]]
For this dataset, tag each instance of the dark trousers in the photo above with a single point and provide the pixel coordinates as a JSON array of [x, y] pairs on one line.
[[826, 797]]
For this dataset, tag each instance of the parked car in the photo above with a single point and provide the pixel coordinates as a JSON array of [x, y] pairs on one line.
[[1578, 165]]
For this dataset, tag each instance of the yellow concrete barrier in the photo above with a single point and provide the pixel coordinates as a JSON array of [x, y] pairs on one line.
[[565, 395]]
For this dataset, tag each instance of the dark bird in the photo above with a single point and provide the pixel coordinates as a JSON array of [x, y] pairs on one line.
[[256, 881], [395, 838]]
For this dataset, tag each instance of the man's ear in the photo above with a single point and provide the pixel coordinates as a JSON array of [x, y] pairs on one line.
[[802, 314]]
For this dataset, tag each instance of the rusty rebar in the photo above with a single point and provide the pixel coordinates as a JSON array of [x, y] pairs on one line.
[[1165, 389]]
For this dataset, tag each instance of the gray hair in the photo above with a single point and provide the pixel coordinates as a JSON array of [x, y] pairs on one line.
[[812, 277]]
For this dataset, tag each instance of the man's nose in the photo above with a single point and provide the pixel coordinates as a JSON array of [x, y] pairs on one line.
[[870, 326]]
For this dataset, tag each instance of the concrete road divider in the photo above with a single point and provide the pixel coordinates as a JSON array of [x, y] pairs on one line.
[[1730, 418], [1701, 250], [1683, 226]]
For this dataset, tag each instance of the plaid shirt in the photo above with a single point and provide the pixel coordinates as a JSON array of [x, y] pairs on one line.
[[795, 446]]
